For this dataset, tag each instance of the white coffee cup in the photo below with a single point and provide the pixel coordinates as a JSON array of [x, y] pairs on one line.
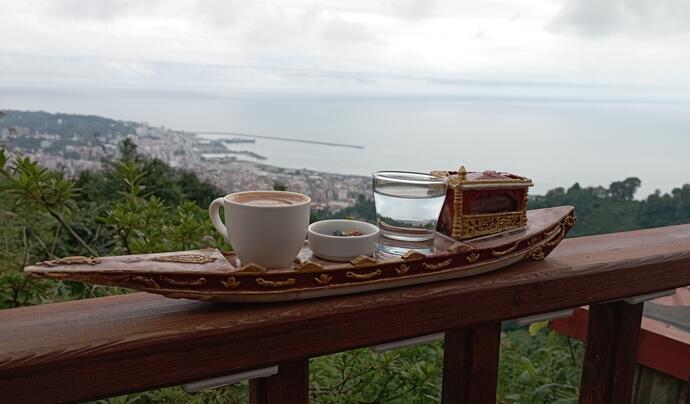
[[267, 228]]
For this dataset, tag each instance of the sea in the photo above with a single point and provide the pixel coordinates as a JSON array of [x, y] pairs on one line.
[[556, 142]]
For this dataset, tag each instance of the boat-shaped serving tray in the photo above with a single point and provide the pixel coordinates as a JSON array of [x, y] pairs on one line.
[[218, 276]]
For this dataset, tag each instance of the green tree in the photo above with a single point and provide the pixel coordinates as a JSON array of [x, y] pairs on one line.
[[279, 187], [46, 190], [625, 190]]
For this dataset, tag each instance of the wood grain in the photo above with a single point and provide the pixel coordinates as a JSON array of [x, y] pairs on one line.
[[289, 386], [660, 346], [137, 342], [470, 364], [610, 356], [655, 387]]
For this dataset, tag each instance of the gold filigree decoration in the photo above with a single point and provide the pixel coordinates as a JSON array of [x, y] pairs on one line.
[[496, 253], [553, 232], [231, 283], [439, 265], [557, 240], [570, 220], [323, 279], [457, 231], [412, 255], [460, 247], [74, 260], [186, 259], [252, 268], [480, 225], [472, 258], [363, 260], [308, 266], [175, 282], [537, 255], [356, 276], [532, 241], [402, 269], [462, 173], [148, 282], [275, 284]]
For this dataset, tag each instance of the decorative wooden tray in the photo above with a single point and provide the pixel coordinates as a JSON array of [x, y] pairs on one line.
[[218, 276]]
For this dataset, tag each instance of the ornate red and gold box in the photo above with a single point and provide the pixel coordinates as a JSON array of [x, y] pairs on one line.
[[482, 203]]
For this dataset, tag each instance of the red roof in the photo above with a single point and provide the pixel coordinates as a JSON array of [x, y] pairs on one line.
[[660, 346]]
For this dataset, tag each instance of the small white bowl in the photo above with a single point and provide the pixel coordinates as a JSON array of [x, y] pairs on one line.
[[342, 248]]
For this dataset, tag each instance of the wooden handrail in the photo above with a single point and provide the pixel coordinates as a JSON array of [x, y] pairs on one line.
[[107, 346]]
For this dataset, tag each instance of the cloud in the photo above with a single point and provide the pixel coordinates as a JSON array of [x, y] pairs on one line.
[[338, 30], [99, 10], [638, 17], [410, 9], [343, 45]]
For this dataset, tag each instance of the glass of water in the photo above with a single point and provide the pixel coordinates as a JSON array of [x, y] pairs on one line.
[[407, 209]]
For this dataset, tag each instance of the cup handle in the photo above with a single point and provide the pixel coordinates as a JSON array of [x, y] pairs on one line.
[[214, 214]]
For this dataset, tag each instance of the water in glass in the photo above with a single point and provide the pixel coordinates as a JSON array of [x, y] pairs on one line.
[[407, 209]]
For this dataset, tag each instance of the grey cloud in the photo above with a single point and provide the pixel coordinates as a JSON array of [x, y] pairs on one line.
[[223, 12], [100, 9], [598, 18], [410, 9], [341, 31]]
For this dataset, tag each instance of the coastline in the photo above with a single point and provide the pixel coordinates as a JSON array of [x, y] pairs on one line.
[[53, 141]]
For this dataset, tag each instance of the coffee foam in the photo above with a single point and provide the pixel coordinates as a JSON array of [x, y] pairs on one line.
[[267, 199]]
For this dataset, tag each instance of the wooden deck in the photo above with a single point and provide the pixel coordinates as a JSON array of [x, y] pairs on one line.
[[107, 346]]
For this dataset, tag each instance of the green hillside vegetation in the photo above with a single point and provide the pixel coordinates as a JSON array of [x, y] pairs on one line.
[[140, 205], [613, 209], [66, 124]]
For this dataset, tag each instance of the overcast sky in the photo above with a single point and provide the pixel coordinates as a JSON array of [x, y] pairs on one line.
[[572, 48]]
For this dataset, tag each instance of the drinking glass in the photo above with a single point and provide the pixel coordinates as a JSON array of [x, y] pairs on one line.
[[407, 209]]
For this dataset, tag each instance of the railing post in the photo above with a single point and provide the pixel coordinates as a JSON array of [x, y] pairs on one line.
[[470, 364], [608, 368], [289, 386]]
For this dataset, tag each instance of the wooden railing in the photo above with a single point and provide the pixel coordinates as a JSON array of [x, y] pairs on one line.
[[108, 346]]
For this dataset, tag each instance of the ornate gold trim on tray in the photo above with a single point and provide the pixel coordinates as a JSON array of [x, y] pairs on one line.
[[308, 266], [402, 269], [275, 284], [323, 279], [438, 265], [146, 281], [412, 255], [460, 247], [73, 260], [359, 277], [363, 260], [472, 258], [177, 282], [251, 268], [231, 283], [185, 259], [497, 253]]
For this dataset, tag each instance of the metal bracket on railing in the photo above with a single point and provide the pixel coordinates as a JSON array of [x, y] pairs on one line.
[[426, 339], [521, 322], [649, 296], [221, 381]]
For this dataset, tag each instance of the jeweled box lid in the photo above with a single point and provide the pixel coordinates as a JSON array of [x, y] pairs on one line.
[[483, 179]]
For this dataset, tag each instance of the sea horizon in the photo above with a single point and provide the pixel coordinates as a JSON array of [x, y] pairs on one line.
[[554, 143]]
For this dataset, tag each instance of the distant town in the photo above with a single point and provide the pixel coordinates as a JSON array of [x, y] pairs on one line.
[[75, 143]]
